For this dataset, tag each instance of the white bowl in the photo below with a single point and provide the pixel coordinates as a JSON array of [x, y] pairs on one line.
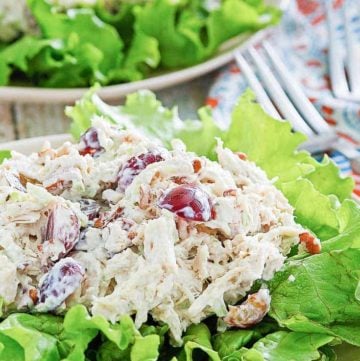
[[29, 94]]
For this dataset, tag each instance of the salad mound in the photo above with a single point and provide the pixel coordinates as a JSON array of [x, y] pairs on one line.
[[212, 259], [52, 43], [124, 226]]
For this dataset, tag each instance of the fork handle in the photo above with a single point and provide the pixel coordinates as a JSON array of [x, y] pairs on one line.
[[348, 149], [320, 143], [324, 142]]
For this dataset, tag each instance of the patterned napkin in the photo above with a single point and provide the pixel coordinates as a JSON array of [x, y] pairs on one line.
[[304, 41]]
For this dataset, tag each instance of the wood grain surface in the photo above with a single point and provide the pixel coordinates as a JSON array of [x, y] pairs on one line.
[[19, 121]]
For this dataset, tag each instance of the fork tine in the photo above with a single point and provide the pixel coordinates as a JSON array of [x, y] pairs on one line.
[[336, 59], [353, 54], [255, 85], [311, 115], [278, 95]]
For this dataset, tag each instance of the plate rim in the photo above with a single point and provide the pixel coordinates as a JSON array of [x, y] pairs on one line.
[[30, 145]]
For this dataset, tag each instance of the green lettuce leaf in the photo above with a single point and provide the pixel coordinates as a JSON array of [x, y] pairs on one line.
[[325, 178], [231, 344], [4, 154], [197, 343], [231, 341], [19, 55], [322, 219], [143, 50], [79, 65], [145, 349], [30, 337], [88, 28], [50, 338], [274, 147], [10, 349], [66, 53], [235, 17], [108, 351], [349, 228], [177, 32], [194, 33], [142, 56], [122, 41], [83, 111], [269, 143], [323, 297], [327, 354], [205, 130], [141, 111], [122, 334], [294, 346]]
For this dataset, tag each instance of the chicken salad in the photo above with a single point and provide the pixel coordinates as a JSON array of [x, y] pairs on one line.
[[125, 226], [152, 238]]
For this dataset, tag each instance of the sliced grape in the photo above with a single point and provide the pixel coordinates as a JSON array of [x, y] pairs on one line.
[[134, 166], [188, 202], [59, 283], [62, 232], [89, 143]]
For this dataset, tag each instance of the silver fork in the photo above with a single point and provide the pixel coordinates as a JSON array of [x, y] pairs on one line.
[[344, 57], [283, 98]]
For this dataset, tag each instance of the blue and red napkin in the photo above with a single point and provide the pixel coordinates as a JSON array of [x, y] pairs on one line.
[[304, 42]]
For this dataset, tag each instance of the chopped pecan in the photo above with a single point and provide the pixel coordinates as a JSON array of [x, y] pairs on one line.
[[107, 217], [25, 179], [251, 311], [241, 155], [179, 180], [312, 244], [58, 187], [33, 294], [196, 165], [145, 196], [229, 192]]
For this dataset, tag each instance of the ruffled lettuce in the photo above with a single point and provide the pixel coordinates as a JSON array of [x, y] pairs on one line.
[[196, 33], [4, 154], [322, 295], [51, 338], [121, 41], [80, 337], [285, 346]]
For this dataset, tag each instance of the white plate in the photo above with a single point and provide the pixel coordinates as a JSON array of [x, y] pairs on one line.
[[31, 145]]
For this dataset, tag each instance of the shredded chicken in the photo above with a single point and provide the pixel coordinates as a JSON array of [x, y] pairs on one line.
[[130, 252]]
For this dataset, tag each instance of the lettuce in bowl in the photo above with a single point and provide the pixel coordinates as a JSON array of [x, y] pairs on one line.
[[61, 50]]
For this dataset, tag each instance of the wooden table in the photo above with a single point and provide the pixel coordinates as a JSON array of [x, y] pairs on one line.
[[19, 121]]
